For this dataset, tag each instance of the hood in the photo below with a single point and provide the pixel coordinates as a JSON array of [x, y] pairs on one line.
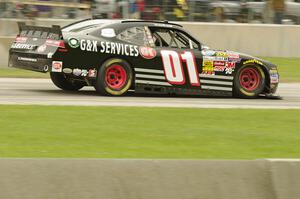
[[249, 57]]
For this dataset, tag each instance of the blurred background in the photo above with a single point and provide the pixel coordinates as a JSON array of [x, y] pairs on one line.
[[227, 11]]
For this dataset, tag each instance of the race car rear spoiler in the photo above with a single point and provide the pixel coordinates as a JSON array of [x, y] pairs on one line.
[[53, 32]]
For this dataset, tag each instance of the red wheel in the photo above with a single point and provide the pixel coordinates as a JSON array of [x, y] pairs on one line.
[[115, 76], [249, 81]]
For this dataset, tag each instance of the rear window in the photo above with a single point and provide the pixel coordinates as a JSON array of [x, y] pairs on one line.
[[85, 25]]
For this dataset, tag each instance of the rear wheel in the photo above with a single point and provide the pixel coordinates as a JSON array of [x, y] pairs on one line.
[[249, 81], [64, 83], [114, 78]]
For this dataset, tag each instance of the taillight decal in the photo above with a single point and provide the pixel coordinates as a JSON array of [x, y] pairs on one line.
[[56, 43], [21, 39]]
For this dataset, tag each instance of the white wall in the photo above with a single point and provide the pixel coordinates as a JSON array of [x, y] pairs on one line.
[[254, 39]]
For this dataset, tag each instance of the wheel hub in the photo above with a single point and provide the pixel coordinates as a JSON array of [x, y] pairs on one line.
[[250, 79], [115, 76]]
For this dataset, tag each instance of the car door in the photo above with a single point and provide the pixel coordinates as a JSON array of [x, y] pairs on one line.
[[179, 57]]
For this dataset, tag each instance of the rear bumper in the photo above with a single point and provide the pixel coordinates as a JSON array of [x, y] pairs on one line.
[[30, 62]]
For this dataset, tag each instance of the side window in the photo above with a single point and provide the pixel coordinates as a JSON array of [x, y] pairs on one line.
[[184, 41], [172, 38], [135, 35]]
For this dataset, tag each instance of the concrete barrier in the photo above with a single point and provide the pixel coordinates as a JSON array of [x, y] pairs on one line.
[[147, 179], [5, 43], [285, 176], [254, 39]]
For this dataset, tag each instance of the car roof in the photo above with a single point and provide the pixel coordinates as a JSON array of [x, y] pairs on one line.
[[118, 24], [152, 22]]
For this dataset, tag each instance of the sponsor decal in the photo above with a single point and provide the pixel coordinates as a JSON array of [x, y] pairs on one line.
[[221, 54], [229, 68], [219, 63], [88, 45], [208, 63], [109, 48], [21, 39], [234, 60], [219, 66], [77, 72], [254, 61], [84, 73], [57, 66], [27, 59], [73, 42], [108, 32], [148, 52], [56, 43], [208, 58], [119, 49], [208, 67], [92, 73], [22, 46], [215, 58], [42, 48], [208, 53], [221, 59], [67, 70], [233, 55], [274, 77]]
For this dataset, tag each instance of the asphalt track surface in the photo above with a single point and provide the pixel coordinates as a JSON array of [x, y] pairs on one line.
[[21, 91]]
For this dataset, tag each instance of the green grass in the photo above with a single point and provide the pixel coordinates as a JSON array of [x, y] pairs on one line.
[[115, 132], [289, 69]]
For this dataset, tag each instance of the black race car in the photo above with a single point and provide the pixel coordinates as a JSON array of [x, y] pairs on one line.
[[144, 56]]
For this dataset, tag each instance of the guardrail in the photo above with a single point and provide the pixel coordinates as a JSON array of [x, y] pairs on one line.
[[148, 179]]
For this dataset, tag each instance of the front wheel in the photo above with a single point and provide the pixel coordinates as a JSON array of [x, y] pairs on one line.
[[64, 83], [249, 81], [114, 78]]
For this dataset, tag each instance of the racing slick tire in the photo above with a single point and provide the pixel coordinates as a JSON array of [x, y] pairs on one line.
[[114, 78], [249, 81], [62, 82]]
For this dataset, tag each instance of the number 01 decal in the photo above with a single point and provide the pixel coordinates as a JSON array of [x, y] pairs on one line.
[[174, 73]]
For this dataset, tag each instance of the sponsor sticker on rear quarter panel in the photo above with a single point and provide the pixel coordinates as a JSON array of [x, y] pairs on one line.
[[77, 72], [92, 73], [57, 66], [67, 70], [73, 42]]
